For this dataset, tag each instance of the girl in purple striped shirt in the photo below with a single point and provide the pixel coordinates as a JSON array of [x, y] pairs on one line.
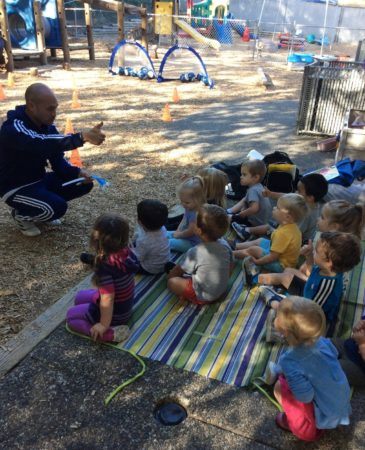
[[103, 313]]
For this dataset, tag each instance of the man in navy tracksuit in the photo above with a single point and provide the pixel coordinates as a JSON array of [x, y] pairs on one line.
[[29, 142]]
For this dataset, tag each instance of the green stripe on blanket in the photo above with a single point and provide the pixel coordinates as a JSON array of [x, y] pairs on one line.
[[223, 341]]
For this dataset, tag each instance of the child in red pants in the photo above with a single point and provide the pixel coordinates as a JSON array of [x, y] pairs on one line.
[[312, 387]]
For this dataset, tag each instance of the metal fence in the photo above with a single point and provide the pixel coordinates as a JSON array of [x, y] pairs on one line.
[[329, 90]]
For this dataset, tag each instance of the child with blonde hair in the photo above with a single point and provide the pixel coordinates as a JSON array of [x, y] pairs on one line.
[[214, 182], [192, 197], [203, 276], [312, 387], [103, 313], [340, 215], [283, 249]]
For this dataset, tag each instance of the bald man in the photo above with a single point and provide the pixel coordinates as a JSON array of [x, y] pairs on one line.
[[29, 142]]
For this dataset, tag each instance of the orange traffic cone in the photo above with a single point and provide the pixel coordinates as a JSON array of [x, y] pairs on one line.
[[69, 129], [75, 100], [74, 84], [75, 158], [166, 115], [175, 96], [246, 35], [11, 80], [2, 93]]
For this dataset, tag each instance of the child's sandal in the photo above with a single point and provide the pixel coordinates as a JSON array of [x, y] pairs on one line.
[[282, 421]]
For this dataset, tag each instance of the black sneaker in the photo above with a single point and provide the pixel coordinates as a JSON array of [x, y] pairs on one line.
[[241, 231], [87, 258]]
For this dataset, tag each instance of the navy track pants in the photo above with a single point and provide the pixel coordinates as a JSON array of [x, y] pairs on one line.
[[45, 200]]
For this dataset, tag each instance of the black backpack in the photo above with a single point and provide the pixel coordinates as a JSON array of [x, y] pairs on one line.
[[236, 191], [282, 174]]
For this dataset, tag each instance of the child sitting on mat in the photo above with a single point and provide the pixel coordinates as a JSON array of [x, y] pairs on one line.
[[334, 254], [151, 244], [102, 313], [214, 184], [203, 276], [312, 388], [336, 215], [214, 187], [192, 197], [254, 209], [283, 249]]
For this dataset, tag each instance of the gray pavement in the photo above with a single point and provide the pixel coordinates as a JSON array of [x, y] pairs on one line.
[[228, 131], [54, 398]]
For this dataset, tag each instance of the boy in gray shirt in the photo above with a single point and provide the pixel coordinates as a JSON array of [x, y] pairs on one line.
[[151, 244], [254, 209], [203, 276]]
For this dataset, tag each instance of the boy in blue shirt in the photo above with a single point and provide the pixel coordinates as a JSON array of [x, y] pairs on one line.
[[334, 254]]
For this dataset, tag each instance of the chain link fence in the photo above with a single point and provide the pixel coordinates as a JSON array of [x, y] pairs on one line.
[[269, 42]]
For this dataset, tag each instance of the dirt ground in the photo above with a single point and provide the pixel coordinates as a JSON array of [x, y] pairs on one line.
[[136, 160]]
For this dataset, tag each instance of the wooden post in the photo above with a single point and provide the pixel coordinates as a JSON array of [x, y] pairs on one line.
[[5, 34], [144, 24], [120, 20], [63, 29], [41, 44], [89, 31]]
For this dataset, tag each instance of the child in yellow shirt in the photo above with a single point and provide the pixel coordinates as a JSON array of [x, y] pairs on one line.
[[283, 249]]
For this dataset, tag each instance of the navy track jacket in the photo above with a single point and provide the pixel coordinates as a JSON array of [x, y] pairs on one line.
[[26, 151]]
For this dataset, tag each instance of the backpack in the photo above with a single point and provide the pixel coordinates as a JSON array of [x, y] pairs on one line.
[[235, 191], [282, 174]]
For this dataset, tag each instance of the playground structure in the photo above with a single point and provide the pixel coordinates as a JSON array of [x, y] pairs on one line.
[[199, 15], [27, 30], [211, 8]]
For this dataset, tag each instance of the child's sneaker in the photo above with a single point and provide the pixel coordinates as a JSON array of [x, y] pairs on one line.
[[55, 223], [87, 258], [241, 231], [272, 335], [26, 227], [268, 294], [121, 333], [250, 271]]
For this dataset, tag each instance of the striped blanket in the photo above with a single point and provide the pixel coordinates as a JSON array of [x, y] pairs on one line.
[[222, 341]]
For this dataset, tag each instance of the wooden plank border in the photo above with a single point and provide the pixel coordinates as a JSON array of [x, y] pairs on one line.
[[18, 347]]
